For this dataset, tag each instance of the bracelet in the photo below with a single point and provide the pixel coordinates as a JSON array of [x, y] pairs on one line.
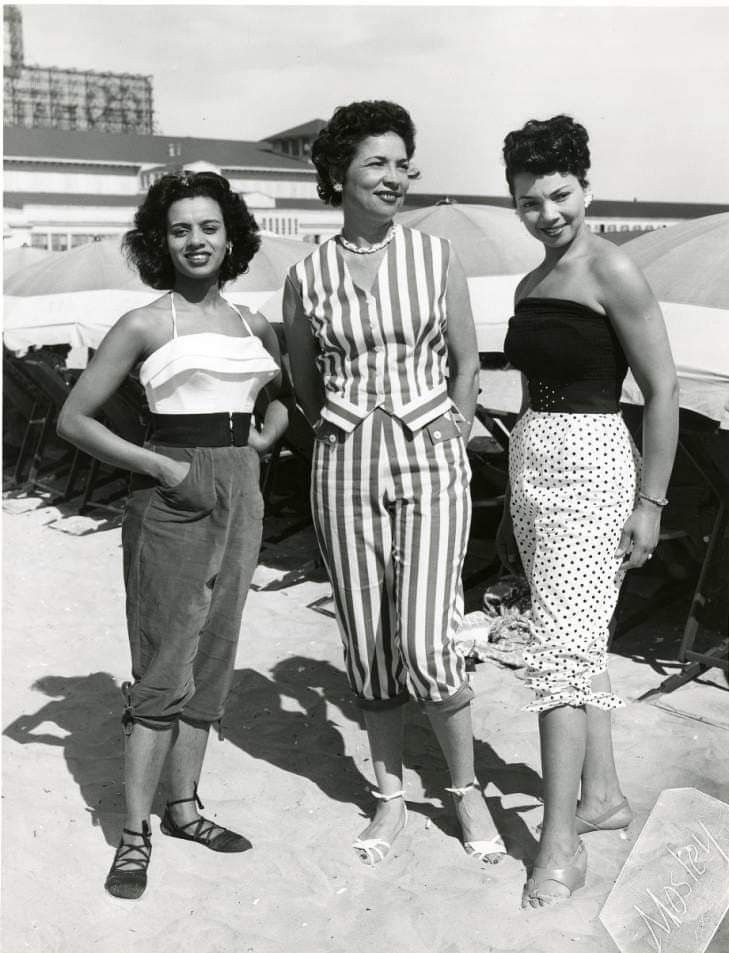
[[656, 500]]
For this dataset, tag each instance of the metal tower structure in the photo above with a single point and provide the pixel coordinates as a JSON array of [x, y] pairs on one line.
[[50, 97]]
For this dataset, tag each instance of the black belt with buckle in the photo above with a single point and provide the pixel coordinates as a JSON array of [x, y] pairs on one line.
[[200, 430]]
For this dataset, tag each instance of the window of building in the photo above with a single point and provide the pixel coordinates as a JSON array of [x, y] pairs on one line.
[[611, 228], [81, 239], [59, 242], [39, 240]]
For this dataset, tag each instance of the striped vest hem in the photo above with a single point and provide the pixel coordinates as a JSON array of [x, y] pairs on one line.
[[415, 414]]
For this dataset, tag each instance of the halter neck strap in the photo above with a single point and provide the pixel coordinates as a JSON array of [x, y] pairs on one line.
[[229, 303], [174, 314]]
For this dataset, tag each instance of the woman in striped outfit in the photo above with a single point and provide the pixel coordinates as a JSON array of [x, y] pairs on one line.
[[384, 361]]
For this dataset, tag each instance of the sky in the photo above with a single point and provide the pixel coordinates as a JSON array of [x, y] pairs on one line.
[[651, 84]]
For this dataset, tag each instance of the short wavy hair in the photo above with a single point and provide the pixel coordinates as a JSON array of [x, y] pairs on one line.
[[145, 245], [333, 149], [544, 146]]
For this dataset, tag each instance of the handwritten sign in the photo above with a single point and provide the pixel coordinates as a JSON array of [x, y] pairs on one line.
[[673, 891]]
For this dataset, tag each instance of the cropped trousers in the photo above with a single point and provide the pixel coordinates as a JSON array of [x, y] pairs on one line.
[[392, 513], [189, 555]]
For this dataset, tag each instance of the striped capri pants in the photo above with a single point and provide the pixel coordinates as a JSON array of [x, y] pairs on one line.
[[392, 512]]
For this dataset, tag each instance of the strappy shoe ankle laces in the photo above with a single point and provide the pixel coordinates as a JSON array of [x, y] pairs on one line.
[[203, 831], [489, 851], [127, 877], [373, 850]]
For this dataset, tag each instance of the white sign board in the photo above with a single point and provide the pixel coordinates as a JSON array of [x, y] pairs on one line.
[[673, 891]]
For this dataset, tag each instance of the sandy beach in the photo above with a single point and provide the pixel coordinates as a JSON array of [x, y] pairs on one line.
[[293, 774]]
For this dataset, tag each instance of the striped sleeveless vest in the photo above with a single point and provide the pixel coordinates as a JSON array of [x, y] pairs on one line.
[[385, 347]]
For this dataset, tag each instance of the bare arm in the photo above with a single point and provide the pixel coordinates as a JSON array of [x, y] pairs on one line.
[[120, 351], [463, 359], [301, 349], [638, 322]]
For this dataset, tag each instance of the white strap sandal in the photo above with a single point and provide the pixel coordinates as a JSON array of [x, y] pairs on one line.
[[488, 851], [372, 850]]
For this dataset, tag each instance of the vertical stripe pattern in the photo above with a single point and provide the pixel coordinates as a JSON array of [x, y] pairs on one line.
[[385, 347], [392, 513]]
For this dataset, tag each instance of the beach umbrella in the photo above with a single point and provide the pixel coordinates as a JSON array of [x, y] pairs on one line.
[[687, 263], [74, 297], [495, 250], [95, 266], [487, 239], [687, 267], [16, 258]]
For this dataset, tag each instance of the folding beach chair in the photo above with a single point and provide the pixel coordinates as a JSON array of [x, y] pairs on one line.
[[47, 387], [489, 460]]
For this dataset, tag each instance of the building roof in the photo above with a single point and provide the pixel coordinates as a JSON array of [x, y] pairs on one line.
[[600, 208], [610, 208], [311, 128], [94, 146], [21, 199]]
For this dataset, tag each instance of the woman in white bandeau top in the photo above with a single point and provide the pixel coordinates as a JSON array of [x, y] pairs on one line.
[[192, 523]]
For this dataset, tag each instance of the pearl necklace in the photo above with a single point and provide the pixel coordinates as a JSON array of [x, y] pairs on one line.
[[367, 249]]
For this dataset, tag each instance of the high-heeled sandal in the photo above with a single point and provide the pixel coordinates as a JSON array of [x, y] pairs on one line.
[[572, 877], [127, 877], [373, 850], [488, 851], [203, 831], [607, 821]]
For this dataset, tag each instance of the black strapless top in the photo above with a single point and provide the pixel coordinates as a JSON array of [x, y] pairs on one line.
[[570, 354]]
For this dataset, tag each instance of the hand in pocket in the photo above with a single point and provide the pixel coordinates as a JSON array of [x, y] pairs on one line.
[[173, 472]]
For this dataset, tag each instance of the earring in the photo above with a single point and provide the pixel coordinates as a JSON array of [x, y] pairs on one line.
[[228, 247], [337, 186]]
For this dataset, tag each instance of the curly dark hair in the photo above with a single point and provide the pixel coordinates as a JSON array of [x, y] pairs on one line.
[[145, 245], [543, 146], [335, 146]]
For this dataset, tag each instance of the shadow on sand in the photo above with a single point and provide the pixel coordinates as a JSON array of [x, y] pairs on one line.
[[86, 709], [308, 742], [261, 720]]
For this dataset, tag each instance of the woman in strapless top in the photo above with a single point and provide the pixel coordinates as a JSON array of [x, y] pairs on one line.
[[192, 523], [581, 509]]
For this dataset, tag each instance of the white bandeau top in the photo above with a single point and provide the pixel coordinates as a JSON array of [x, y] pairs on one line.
[[206, 372]]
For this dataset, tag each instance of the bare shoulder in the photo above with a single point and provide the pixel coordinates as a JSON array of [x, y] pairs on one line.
[[611, 263], [523, 285], [144, 327], [620, 285], [257, 322], [145, 317]]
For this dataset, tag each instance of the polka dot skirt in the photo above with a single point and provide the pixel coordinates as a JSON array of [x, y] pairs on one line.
[[574, 478]]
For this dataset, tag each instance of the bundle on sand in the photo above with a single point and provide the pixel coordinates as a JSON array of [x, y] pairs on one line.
[[501, 630]]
